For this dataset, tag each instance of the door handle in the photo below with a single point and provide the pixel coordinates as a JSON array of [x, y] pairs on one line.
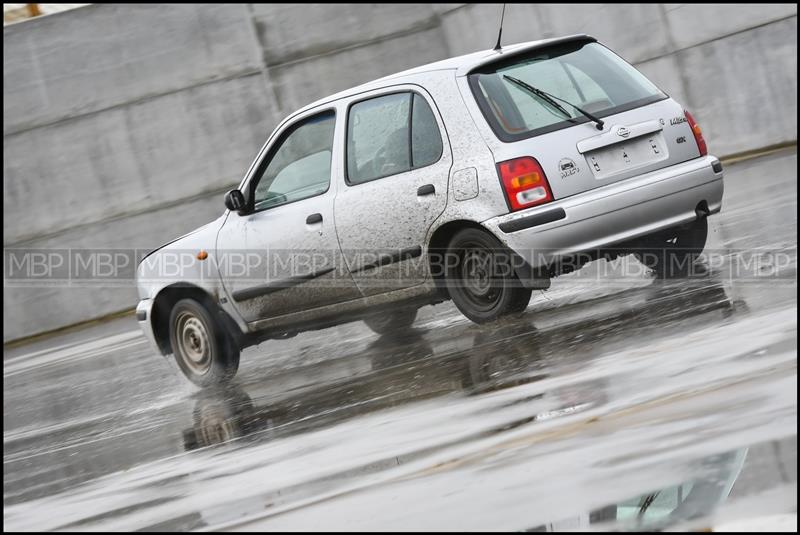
[[314, 218], [427, 189]]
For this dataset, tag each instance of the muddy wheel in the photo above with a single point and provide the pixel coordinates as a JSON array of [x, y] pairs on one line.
[[206, 354], [481, 280]]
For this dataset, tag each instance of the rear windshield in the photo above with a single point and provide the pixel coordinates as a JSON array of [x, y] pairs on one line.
[[586, 74]]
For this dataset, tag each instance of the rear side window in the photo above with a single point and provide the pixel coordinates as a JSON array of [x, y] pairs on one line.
[[390, 134], [586, 74]]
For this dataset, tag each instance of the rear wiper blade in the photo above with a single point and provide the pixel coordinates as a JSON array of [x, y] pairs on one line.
[[547, 97], [539, 93]]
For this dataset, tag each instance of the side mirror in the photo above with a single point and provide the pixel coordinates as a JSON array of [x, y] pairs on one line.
[[234, 200]]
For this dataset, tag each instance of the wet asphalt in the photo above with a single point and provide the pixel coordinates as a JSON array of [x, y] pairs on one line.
[[614, 402]]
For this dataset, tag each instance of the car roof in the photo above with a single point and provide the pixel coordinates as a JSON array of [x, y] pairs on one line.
[[462, 65]]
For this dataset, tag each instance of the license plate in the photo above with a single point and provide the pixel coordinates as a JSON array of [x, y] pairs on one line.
[[627, 155]]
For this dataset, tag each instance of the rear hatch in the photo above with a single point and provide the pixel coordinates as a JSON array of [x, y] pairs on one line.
[[547, 103]]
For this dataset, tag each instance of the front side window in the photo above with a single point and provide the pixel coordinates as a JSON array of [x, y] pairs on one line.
[[586, 74], [390, 134], [300, 166]]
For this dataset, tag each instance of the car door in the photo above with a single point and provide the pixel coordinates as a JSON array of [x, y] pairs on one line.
[[281, 255], [397, 163]]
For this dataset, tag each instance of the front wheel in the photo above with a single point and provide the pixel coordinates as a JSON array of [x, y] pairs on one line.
[[206, 354], [481, 279]]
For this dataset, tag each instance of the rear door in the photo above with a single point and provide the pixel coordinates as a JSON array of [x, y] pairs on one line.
[[397, 163], [643, 129]]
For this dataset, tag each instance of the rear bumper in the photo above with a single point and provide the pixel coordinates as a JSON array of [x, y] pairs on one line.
[[612, 214]]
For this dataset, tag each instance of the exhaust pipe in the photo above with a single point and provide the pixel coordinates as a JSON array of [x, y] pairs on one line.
[[701, 210]]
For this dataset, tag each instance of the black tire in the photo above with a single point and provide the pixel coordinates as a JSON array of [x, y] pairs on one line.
[[480, 277], [204, 351], [389, 321], [672, 253]]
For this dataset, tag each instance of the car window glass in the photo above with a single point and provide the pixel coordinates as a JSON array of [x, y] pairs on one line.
[[378, 138], [592, 97], [426, 141], [390, 134], [301, 165], [585, 74], [550, 77]]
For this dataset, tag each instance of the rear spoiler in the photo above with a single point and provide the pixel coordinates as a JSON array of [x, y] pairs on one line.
[[511, 51]]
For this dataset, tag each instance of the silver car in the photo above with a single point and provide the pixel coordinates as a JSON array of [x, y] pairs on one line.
[[476, 179]]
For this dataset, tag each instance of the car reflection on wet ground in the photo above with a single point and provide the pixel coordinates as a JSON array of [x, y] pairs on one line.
[[408, 368], [640, 404]]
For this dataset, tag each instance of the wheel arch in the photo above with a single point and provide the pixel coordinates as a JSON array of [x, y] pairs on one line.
[[166, 299], [437, 245], [440, 238]]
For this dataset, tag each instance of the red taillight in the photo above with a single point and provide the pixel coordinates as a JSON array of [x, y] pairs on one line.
[[698, 134], [524, 182]]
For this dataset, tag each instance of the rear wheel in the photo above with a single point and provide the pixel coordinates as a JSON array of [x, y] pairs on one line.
[[206, 354], [481, 279], [386, 322], [673, 252]]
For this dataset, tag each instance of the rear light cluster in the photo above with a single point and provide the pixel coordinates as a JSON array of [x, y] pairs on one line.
[[698, 134], [524, 183]]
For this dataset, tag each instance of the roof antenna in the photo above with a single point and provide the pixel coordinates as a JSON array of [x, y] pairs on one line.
[[500, 33]]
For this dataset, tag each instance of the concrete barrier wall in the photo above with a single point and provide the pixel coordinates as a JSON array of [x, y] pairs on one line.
[[122, 124]]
